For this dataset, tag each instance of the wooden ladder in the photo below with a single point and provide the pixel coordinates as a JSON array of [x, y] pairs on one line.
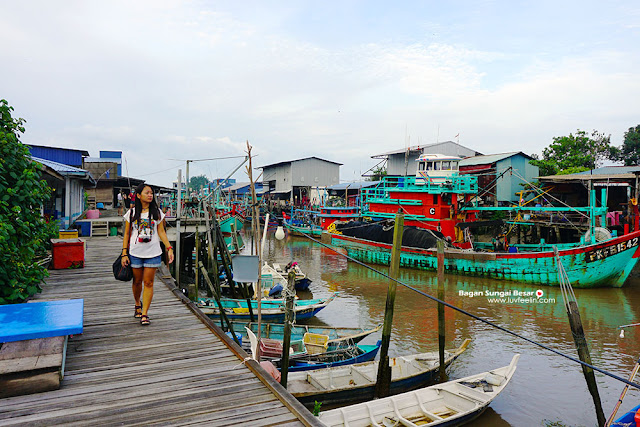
[[99, 228]]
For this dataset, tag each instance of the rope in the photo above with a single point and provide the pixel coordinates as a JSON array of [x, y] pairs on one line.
[[473, 316]]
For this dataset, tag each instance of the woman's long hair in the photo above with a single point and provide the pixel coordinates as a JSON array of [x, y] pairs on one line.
[[154, 211]]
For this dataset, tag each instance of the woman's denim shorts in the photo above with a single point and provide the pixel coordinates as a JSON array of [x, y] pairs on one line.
[[145, 262]]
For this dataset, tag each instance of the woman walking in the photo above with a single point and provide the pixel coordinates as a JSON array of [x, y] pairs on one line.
[[144, 229]]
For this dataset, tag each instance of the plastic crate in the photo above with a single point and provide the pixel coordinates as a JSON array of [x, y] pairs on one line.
[[67, 253], [68, 234], [315, 343], [270, 348]]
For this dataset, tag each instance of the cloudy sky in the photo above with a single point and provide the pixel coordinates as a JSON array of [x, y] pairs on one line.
[[341, 80]]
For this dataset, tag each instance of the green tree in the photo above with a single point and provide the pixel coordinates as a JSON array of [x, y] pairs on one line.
[[198, 182], [24, 235], [629, 152], [377, 174], [574, 151]]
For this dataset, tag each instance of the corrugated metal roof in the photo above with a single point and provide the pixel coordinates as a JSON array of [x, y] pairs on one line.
[[62, 169], [611, 170], [419, 148], [605, 172], [298, 160], [353, 185], [489, 159]]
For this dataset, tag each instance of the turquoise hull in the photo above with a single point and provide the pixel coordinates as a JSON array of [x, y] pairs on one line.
[[604, 264]]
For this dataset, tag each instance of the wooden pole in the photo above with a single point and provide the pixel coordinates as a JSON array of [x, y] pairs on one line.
[[197, 262], [216, 295], [383, 382], [583, 354], [288, 319], [441, 336], [178, 214]]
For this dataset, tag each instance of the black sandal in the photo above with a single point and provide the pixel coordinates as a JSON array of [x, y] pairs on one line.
[[137, 311], [144, 320]]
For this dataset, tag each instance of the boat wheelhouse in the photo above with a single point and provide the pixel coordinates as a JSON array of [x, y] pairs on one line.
[[436, 168]]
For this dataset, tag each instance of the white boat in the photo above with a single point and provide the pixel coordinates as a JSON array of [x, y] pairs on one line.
[[448, 404], [356, 383]]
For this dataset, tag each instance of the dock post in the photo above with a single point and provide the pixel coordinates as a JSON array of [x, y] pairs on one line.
[[176, 265], [197, 270], [383, 382], [441, 336], [288, 315], [583, 353]]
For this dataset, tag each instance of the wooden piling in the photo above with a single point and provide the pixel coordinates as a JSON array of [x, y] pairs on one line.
[[216, 295], [583, 353], [288, 319], [383, 382], [197, 271], [441, 334]]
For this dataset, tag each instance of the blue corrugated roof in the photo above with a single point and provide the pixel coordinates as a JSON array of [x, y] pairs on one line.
[[353, 185], [610, 170], [63, 169]]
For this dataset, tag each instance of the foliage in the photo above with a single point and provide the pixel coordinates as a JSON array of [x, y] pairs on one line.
[[316, 408], [573, 169], [629, 152], [574, 151], [24, 234], [377, 174], [198, 182]]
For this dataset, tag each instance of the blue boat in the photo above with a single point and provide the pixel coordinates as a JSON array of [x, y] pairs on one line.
[[272, 310], [275, 331], [627, 419], [354, 354]]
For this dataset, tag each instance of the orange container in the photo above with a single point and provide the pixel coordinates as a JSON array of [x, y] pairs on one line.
[[67, 253]]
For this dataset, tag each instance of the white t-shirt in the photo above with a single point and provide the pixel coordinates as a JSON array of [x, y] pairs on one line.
[[138, 247]]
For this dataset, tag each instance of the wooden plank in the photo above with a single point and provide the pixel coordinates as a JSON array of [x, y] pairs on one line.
[[176, 371]]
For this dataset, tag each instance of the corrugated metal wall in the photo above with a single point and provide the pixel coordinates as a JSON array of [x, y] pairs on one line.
[[315, 173]]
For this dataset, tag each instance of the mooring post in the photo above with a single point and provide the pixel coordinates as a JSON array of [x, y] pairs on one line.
[[194, 297], [441, 337], [383, 382], [583, 353], [288, 319]]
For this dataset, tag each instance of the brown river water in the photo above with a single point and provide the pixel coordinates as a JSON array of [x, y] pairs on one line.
[[547, 389]]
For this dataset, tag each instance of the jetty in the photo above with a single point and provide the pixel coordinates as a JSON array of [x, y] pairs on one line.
[[182, 369]]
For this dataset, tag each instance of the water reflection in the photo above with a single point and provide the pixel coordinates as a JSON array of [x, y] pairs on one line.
[[545, 387]]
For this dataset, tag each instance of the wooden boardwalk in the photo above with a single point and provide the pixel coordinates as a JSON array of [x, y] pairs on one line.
[[180, 370]]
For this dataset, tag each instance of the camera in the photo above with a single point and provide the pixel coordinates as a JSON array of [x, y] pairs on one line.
[[144, 236]]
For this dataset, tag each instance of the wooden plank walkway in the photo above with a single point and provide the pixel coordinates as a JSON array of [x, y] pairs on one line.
[[180, 370]]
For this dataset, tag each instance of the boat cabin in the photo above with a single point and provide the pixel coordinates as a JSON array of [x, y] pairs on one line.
[[436, 168]]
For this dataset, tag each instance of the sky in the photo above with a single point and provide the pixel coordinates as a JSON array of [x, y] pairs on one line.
[[168, 81]]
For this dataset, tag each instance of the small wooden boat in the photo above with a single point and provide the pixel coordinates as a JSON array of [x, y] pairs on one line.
[[341, 355], [448, 404], [628, 419], [356, 383], [272, 310], [302, 281], [276, 331]]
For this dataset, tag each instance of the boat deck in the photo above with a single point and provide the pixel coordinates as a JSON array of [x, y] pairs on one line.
[[179, 370]]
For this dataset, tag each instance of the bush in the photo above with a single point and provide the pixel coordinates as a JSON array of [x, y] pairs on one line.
[[24, 234]]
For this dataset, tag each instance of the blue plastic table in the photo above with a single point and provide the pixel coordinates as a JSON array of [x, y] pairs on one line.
[[40, 319]]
